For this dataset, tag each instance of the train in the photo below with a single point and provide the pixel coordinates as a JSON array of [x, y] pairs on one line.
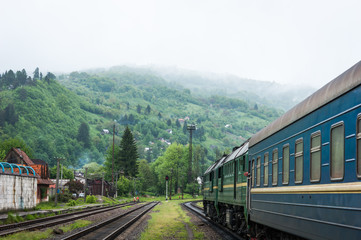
[[300, 176]]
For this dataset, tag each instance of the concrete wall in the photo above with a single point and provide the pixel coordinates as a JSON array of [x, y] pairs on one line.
[[17, 192]]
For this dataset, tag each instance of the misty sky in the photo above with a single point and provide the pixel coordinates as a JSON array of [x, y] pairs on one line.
[[298, 41]]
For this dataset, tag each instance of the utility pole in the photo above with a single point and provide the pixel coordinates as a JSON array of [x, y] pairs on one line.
[[134, 179], [103, 186], [57, 180], [170, 186], [113, 157], [116, 184], [85, 183], [61, 177], [166, 188], [191, 128]]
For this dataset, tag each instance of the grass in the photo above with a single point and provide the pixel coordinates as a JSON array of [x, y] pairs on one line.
[[168, 222], [47, 233]]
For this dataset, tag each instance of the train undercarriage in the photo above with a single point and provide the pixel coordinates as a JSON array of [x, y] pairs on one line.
[[230, 216], [233, 217]]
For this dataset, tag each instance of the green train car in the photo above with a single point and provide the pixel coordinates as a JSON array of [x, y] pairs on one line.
[[225, 190]]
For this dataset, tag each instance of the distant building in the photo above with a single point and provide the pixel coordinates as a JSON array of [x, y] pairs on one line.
[[169, 131], [105, 131], [95, 187], [19, 157]]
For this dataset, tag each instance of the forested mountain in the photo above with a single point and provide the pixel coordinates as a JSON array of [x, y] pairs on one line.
[[207, 84], [75, 118], [250, 90]]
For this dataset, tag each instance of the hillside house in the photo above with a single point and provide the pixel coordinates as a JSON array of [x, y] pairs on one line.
[[19, 157], [105, 131]]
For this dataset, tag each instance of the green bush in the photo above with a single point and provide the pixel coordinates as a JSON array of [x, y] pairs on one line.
[[64, 197], [19, 218], [91, 199], [30, 217], [11, 219], [71, 203], [80, 201]]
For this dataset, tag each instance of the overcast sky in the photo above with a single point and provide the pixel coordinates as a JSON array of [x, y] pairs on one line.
[[298, 41]]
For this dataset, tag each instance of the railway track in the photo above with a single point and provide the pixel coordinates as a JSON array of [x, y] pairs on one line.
[[111, 228], [222, 231], [54, 220]]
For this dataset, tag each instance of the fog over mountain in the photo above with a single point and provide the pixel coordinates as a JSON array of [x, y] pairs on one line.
[[263, 92], [205, 84]]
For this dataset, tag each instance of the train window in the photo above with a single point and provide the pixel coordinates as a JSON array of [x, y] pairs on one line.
[[265, 170], [299, 161], [286, 164], [275, 167], [358, 137], [244, 163], [315, 157], [253, 176], [258, 171], [337, 151]]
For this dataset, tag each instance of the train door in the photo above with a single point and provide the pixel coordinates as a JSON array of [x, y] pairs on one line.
[[250, 181], [211, 175], [235, 175], [220, 175]]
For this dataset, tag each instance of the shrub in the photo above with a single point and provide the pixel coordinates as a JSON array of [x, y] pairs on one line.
[[71, 203], [64, 197], [19, 219], [80, 201], [11, 219], [91, 199], [30, 217]]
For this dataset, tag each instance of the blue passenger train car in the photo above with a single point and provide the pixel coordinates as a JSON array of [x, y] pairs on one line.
[[299, 177], [306, 166]]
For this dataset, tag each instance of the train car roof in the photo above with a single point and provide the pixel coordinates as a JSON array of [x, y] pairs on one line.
[[243, 150], [340, 85], [238, 152], [210, 168], [221, 161]]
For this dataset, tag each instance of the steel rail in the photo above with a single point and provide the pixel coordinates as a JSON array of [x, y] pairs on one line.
[[54, 220], [222, 231], [98, 226]]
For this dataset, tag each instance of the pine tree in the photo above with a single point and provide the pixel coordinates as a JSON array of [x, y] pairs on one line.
[[83, 135], [139, 109], [185, 127], [177, 123], [36, 74], [147, 110], [10, 116], [128, 155]]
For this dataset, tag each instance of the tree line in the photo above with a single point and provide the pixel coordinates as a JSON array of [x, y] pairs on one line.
[[12, 80]]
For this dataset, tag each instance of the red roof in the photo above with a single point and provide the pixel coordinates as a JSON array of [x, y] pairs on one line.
[[23, 156], [44, 181]]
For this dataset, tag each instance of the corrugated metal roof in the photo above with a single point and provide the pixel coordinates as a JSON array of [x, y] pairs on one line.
[[243, 150], [340, 85], [238, 152], [214, 165]]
